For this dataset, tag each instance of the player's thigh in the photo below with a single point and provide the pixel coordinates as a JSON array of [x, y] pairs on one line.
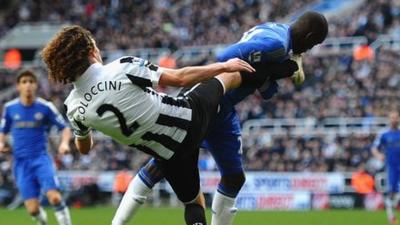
[[393, 177], [45, 173], [204, 100], [226, 150], [183, 176], [26, 180]]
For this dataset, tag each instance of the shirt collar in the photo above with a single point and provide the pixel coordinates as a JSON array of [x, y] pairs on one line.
[[88, 75]]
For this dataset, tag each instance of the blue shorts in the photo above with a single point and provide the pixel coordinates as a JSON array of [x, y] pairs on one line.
[[33, 175], [226, 149], [393, 178]]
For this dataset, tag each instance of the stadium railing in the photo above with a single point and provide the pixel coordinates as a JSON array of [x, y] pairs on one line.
[[312, 126]]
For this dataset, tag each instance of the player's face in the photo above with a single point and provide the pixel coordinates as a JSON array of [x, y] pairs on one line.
[[96, 53], [306, 43], [394, 119], [27, 86]]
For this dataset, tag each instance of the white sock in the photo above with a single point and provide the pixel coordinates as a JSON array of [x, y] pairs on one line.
[[134, 197], [389, 208], [41, 217], [396, 200], [63, 217], [223, 209]]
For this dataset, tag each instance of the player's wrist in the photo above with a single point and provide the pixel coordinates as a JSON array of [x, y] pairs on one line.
[[82, 135], [223, 67]]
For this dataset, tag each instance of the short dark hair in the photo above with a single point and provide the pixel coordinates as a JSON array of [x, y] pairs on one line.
[[67, 54], [313, 21], [26, 73]]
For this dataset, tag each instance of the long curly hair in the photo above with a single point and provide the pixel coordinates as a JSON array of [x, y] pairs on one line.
[[67, 54]]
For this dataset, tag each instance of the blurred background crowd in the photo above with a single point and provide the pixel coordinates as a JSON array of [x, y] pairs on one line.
[[336, 85]]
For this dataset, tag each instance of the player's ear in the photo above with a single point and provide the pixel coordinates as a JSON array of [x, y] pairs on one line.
[[92, 56], [310, 36]]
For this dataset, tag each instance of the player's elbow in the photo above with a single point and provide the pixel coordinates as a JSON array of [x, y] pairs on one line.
[[183, 82], [179, 78], [174, 77]]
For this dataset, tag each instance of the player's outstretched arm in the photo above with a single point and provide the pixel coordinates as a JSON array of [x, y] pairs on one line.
[[191, 75]]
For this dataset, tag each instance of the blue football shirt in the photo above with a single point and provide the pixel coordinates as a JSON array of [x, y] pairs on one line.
[[29, 126]]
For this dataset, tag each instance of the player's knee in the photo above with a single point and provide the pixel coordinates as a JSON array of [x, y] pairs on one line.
[[153, 168], [32, 206], [234, 181], [54, 197], [33, 210], [151, 173]]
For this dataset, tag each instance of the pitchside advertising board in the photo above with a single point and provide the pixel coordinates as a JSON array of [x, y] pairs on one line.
[[262, 190], [261, 182], [283, 191], [256, 182]]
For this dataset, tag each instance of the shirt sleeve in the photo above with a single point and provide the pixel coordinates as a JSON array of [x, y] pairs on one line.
[[5, 123], [55, 118], [141, 72], [79, 130], [378, 142], [255, 51]]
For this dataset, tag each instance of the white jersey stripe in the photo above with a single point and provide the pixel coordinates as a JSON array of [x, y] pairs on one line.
[[178, 112], [159, 149], [125, 108]]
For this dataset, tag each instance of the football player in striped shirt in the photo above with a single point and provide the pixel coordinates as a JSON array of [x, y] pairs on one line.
[[264, 43], [117, 99]]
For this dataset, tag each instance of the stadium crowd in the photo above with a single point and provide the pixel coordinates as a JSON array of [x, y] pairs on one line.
[[127, 24], [336, 86]]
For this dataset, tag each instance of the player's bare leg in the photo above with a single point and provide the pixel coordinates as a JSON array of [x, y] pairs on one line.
[[61, 210], [37, 212]]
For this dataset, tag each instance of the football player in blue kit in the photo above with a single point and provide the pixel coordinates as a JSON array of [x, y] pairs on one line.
[[263, 44], [389, 143], [28, 118]]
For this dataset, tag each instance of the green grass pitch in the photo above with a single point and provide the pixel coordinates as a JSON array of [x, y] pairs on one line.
[[174, 216]]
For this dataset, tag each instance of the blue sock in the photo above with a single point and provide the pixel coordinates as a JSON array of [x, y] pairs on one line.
[[151, 176], [228, 191]]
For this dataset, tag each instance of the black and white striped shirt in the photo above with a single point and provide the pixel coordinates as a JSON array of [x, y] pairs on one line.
[[117, 99]]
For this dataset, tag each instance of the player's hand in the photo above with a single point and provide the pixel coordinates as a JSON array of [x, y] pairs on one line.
[[298, 76], [64, 148], [380, 157], [236, 64], [3, 148]]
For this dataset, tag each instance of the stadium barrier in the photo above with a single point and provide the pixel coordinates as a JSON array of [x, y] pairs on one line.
[[312, 126], [262, 190]]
